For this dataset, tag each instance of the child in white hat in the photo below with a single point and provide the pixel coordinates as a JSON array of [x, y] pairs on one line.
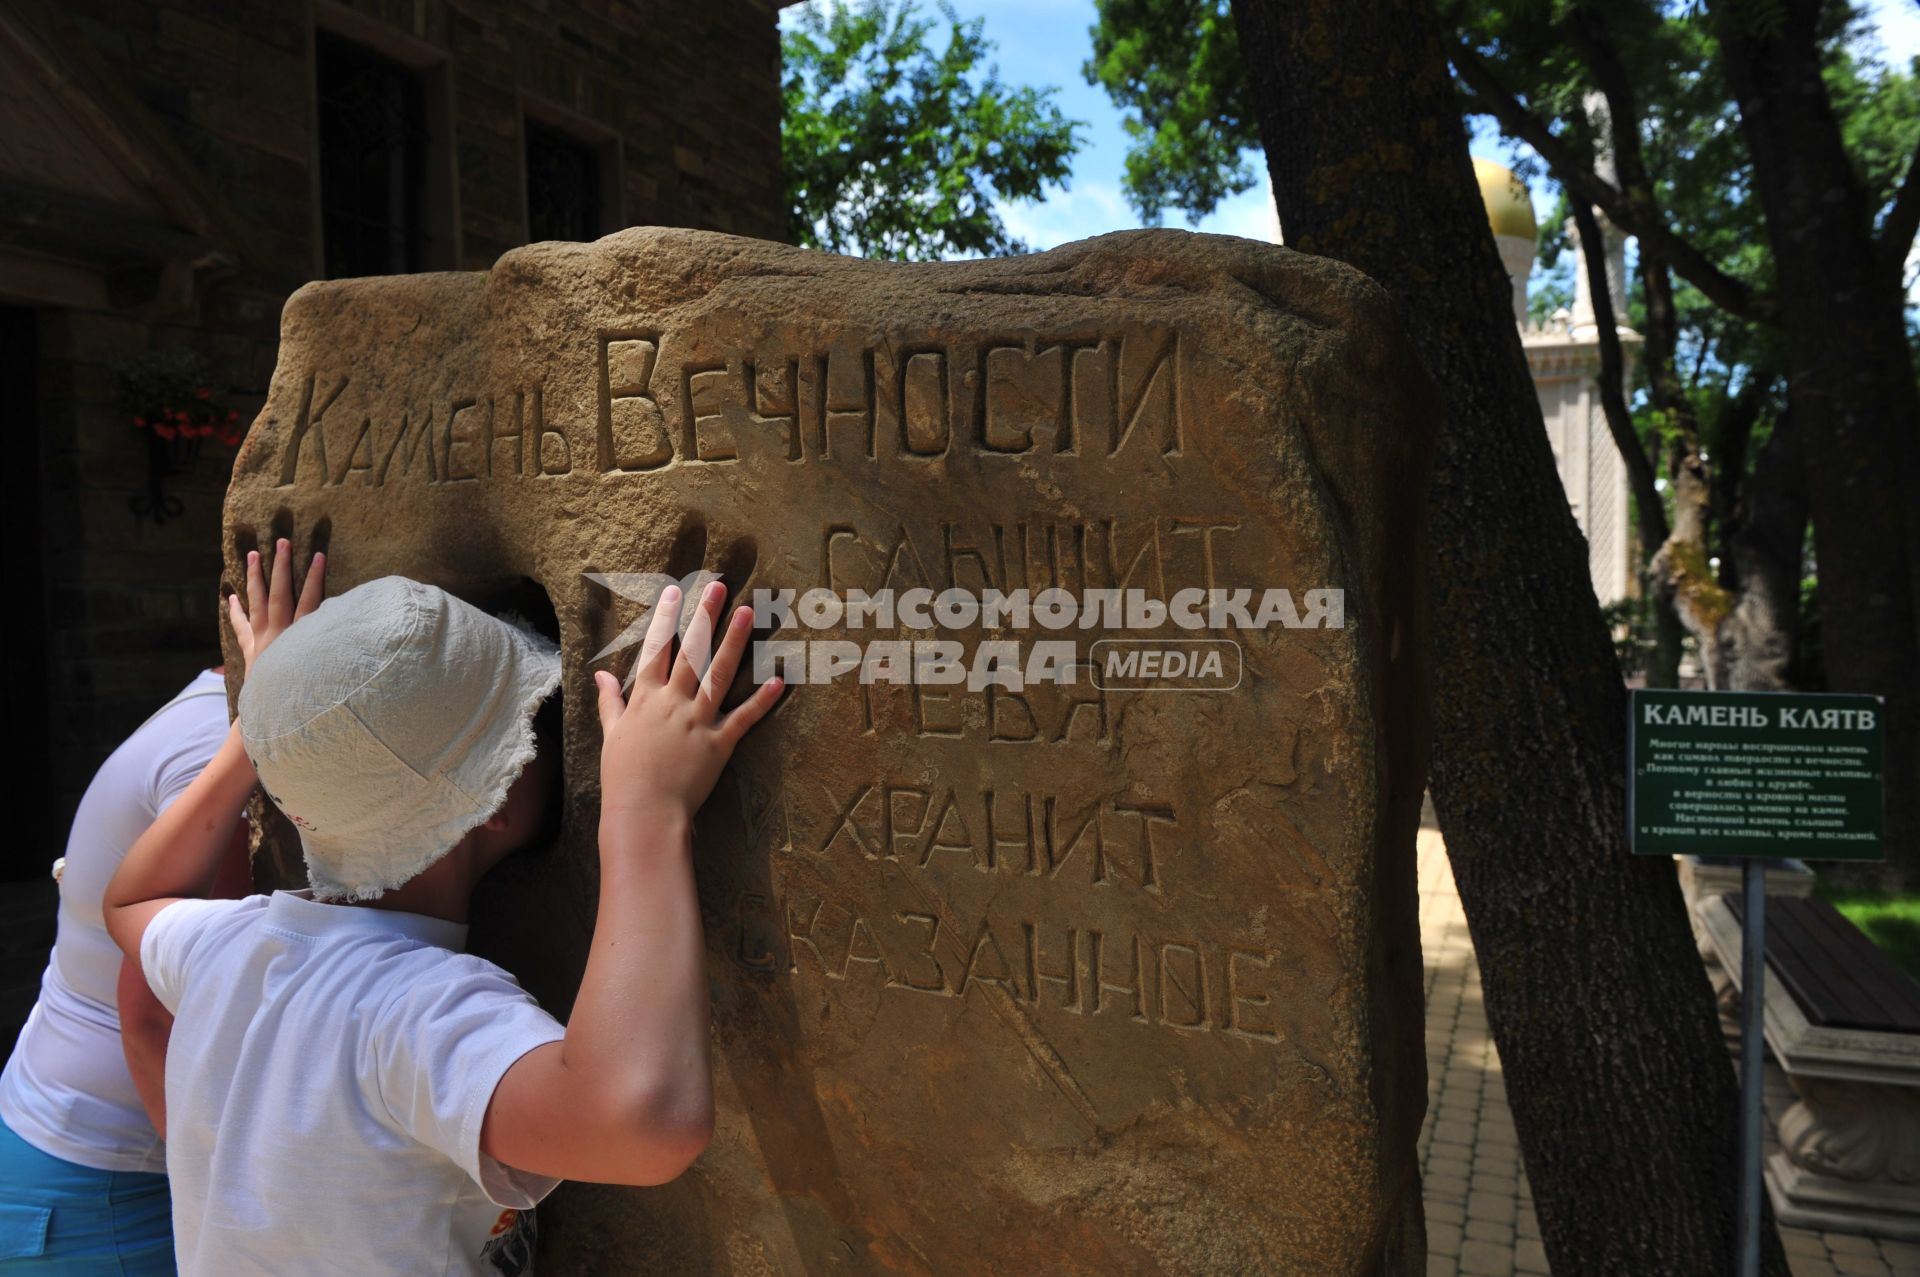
[[347, 1091]]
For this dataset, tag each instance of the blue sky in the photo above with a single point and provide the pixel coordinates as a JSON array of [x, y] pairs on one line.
[[1044, 42]]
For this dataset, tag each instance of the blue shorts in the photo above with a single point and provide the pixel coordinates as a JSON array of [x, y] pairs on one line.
[[57, 1217]]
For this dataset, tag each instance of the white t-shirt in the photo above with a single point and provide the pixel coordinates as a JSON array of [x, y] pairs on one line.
[[66, 1089], [328, 1074]]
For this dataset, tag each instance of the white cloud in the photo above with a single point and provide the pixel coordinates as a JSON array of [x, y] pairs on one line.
[[1251, 214], [1094, 208], [1089, 208]]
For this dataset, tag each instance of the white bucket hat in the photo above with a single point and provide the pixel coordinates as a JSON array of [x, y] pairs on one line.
[[388, 724]]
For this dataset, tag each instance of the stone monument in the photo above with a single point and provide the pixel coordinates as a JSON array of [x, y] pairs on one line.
[[1063, 977]]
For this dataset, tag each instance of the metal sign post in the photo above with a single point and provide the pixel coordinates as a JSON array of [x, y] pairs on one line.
[[1758, 776], [1753, 1002]]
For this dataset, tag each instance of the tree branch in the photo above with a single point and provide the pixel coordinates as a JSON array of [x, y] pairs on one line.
[[1613, 381], [1897, 229], [1730, 294]]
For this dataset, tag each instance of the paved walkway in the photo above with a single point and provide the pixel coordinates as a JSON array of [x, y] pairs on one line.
[[1480, 1219]]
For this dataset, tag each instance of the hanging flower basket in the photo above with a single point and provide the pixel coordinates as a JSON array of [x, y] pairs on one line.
[[171, 399]]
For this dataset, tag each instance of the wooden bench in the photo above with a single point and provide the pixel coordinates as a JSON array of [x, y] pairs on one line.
[[1837, 974], [1843, 1021]]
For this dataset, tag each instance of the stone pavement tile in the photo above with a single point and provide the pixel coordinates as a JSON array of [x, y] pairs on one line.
[[1491, 1159], [1500, 1208], [1482, 1259], [1494, 1182], [1480, 1214], [1480, 1220], [1809, 1266], [1850, 1244], [1500, 1135], [1902, 1257], [1860, 1266]]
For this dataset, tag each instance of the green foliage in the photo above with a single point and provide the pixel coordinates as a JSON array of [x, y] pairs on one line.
[[1630, 621], [894, 149], [1809, 670], [1878, 106], [1173, 67], [1890, 919], [1550, 290], [1696, 157], [1551, 287]]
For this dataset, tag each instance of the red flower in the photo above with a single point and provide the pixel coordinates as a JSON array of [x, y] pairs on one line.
[[204, 392], [141, 422], [232, 416], [162, 429]]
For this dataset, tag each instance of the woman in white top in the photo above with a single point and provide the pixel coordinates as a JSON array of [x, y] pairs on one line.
[[83, 1188]]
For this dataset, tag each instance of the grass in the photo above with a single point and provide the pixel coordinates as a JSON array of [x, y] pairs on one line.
[[1891, 920]]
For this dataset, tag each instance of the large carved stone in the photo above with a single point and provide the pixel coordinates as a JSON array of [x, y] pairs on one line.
[[1062, 980]]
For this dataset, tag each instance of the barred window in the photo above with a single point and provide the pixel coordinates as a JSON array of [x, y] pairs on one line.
[[563, 185], [372, 148]]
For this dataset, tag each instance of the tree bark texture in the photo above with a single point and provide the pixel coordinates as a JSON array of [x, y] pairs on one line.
[[1851, 384], [1621, 1086]]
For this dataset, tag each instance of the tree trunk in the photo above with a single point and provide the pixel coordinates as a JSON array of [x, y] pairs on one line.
[[1684, 577], [1851, 384], [1663, 669], [1622, 1090], [1765, 550]]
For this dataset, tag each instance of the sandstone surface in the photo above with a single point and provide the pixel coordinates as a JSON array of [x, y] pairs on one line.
[[1057, 980]]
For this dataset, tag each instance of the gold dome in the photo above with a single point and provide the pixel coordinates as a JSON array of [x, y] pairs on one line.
[[1509, 207]]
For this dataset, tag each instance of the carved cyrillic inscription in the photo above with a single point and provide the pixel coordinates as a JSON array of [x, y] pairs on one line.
[[658, 402], [1191, 985], [466, 438], [1103, 844], [1071, 851]]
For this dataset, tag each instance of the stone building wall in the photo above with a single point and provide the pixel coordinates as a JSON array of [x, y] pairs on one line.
[[159, 188]]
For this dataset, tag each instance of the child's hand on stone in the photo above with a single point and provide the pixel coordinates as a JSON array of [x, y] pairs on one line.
[[265, 611], [663, 744]]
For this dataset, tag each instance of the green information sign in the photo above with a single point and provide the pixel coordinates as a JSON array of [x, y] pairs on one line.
[[1761, 774]]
